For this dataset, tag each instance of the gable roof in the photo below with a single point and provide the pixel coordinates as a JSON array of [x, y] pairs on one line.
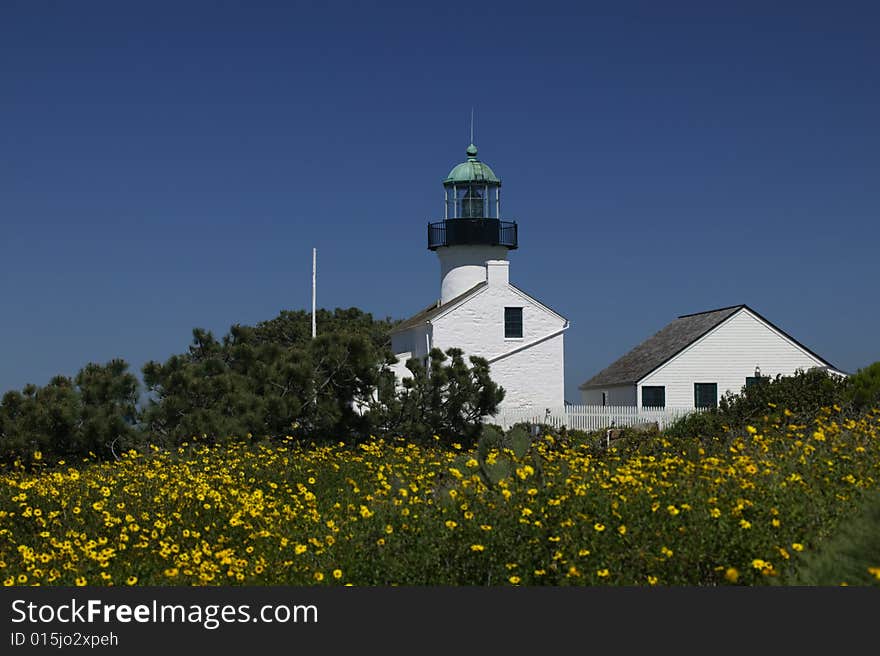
[[660, 348], [536, 301], [419, 318]]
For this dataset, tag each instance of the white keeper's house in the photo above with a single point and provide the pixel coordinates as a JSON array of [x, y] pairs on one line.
[[697, 358], [478, 309]]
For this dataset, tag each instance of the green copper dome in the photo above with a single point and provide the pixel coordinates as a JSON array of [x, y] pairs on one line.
[[473, 170]]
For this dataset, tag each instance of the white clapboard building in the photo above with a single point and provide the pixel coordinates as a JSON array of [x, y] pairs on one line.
[[478, 309], [697, 358]]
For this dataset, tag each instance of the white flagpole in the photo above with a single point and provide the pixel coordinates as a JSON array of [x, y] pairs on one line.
[[314, 278]]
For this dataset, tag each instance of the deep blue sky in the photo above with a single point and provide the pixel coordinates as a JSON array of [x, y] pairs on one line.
[[171, 165]]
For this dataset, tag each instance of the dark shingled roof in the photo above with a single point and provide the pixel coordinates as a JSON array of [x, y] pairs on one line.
[[660, 348], [433, 310]]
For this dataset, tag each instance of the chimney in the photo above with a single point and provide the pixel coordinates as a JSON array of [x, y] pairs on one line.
[[497, 273]]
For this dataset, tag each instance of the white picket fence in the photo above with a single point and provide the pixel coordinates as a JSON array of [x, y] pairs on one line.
[[590, 417]]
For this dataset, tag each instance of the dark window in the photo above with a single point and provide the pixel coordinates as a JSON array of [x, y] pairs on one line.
[[654, 396], [752, 380], [513, 324], [604, 398], [706, 395]]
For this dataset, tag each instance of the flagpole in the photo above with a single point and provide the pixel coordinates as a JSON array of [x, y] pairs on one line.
[[314, 279]]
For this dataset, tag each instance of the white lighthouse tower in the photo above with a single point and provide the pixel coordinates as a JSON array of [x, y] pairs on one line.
[[479, 310], [472, 232]]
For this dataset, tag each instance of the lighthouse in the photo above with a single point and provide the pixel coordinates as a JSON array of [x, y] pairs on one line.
[[471, 232], [478, 309]]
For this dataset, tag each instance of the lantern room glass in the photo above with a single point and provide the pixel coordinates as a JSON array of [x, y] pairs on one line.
[[474, 200]]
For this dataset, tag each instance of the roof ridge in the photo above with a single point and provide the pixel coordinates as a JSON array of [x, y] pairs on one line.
[[435, 309], [729, 307], [541, 303], [659, 348], [672, 340]]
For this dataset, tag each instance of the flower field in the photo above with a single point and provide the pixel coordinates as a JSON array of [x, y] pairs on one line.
[[661, 512]]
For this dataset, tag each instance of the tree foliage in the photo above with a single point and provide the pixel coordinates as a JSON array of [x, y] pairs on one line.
[[264, 381], [93, 414], [270, 380], [444, 397], [863, 390]]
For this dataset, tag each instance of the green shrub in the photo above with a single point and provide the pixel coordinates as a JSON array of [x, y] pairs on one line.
[[804, 394], [709, 423], [863, 391]]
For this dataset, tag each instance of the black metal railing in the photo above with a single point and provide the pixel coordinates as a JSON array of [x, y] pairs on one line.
[[462, 232]]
